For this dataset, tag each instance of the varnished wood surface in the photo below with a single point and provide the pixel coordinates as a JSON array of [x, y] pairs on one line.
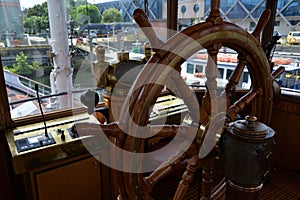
[[286, 123], [7, 179], [44, 155], [210, 35], [4, 106], [285, 120]]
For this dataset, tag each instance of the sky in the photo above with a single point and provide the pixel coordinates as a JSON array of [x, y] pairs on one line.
[[31, 3]]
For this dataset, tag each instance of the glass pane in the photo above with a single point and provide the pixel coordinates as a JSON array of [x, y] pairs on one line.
[[57, 63], [199, 68], [221, 72], [245, 77], [27, 43], [246, 13], [190, 68], [228, 73]]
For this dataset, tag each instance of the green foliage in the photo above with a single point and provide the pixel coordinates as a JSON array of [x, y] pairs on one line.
[[21, 66], [6, 67], [75, 3], [36, 18], [35, 24], [35, 65], [111, 15], [40, 10], [83, 17], [71, 6]]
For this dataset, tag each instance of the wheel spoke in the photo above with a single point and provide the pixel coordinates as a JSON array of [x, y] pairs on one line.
[[88, 129], [143, 21], [183, 92], [263, 20], [168, 166], [234, 80], [193, 165], [240, 105], [212, 75]]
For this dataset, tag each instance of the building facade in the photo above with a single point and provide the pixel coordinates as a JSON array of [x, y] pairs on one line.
[[11, 24], [245, 13], [126, 7]]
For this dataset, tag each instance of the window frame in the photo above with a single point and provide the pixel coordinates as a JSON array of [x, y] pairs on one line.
[[9, 122]]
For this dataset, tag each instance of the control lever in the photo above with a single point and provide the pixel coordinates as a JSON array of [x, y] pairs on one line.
[[62, 136], [39, 102]]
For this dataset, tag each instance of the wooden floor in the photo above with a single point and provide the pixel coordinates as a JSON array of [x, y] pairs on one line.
[[282, 185]]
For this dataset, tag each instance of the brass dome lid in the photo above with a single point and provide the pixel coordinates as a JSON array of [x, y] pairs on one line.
[[250, 128]]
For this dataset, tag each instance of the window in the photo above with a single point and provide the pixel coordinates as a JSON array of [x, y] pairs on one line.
[[246, 77], [296, 34], [183, 9], [290, 78], [30, 44], [196, 8], [221, 72], [59, 75], [252, 26], [228, 73], [190, 68], [292, 9], [199, 68]]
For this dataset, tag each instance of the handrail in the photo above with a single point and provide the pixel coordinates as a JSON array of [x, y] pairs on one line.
[[48, 96], [35, 98], [25, 84]]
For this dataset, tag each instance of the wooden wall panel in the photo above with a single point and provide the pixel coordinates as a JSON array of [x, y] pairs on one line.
[[4, 106], [286, 123], [6, 180]]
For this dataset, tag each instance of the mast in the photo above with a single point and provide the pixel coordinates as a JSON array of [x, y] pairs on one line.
[[61, 75]]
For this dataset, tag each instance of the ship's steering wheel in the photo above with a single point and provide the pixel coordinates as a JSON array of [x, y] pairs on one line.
[[211, 35]]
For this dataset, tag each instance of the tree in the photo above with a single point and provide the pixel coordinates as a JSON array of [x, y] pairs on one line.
[[36, 18], [21, 66], [38, 10], [93, 14], [71, 7], [35, 24], [111, 15]]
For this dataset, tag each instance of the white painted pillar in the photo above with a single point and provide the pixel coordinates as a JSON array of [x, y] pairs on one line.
[[61, 75]]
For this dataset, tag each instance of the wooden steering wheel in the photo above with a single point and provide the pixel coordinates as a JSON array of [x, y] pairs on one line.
[[211, 35]]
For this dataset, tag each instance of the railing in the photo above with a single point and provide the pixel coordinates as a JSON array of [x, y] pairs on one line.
[[43, 89], [25, 84]]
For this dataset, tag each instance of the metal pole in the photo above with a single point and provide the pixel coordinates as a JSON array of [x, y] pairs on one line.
[[61, 75], [90, 40]]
